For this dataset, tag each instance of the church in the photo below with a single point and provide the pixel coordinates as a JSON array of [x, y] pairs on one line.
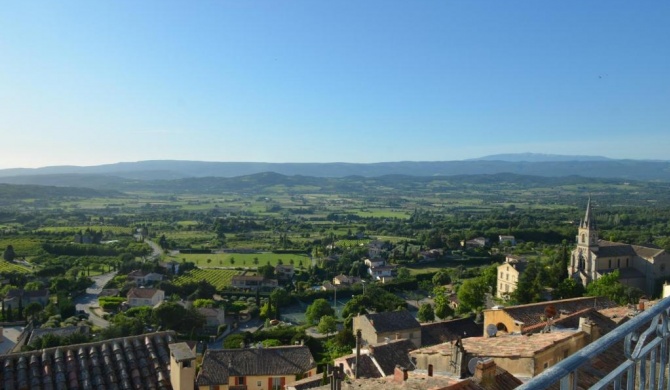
[[639, 266]]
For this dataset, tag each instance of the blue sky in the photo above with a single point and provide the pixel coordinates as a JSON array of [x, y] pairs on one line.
[[92, 82]]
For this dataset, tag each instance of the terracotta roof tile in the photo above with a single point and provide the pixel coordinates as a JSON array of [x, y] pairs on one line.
[[137, 362], [218, 365], [514, 345]]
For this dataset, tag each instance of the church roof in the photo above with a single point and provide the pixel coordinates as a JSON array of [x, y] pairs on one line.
[[615, 249]]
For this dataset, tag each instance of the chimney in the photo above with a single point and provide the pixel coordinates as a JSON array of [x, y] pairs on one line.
[[485, 373], [399, 374], [182, 367], [590, 328], [358, 352]]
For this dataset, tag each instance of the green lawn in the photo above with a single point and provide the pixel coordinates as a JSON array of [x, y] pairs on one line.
[[242, 259]]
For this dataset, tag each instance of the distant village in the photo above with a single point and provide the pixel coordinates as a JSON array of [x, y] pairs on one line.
[[502, 347]]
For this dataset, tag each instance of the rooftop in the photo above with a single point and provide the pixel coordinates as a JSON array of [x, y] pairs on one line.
[[443, 331], [532, 314], [137, 362], [392, 321], [515, 345], [144, 293], [219, 364]]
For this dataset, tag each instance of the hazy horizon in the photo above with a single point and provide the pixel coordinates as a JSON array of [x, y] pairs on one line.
[[93, 83]]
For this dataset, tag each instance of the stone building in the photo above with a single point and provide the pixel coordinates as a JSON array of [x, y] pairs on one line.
[[639, 266]]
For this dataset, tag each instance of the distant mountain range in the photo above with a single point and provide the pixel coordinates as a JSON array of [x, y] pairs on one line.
[[538, 157], [542, 165]]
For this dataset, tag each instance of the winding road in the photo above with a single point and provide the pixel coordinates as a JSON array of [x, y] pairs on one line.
[[84, 302]]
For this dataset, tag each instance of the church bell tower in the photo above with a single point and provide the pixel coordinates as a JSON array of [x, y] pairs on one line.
[[587, 236]]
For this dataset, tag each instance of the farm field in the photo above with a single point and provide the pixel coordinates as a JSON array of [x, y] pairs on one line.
[[116, 230], [11, 267], [242, 259], [219, 278]]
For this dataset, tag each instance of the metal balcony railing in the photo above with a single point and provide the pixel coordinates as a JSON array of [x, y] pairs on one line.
[[643, 345]]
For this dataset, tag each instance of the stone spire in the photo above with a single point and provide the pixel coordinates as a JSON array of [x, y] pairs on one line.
[[589, 222]]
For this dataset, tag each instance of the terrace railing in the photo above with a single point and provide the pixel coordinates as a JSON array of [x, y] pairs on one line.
[[646, 350]]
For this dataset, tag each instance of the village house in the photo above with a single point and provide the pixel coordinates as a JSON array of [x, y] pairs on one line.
[[26, 297], [522, 318], [443, 331], [213, 317], [145, 297], [508, 275], [524, 356], [385, 272], [253, 282], [378, 360], [255, 368], [345, 280], [374, 262], [429, 256], [143, 278], [377, 248], [477, 242], [284, 272], [639, 266], [502, 239], [385, 326]]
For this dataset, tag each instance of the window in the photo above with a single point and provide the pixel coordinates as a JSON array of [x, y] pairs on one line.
[[258, 383], [546, 364], [626, 262], [276, 383], [618, 263], [583, 238], [506, 276], [609, 263]]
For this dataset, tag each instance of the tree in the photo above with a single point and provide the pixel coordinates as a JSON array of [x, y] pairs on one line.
[[532, 283], [489, 278], [32, 286], [235, 341], [198, 303], [569, 288], [403, 273], [280, 297], [176, 317], [426, 313], [327, 324], [267, 271], [9, 254], [608, 286], [471, 295], [232, 260], [319, 308], [441, 278], [163, 242]]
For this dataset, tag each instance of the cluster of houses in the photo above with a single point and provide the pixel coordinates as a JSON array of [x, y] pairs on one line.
[[510, 346]]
